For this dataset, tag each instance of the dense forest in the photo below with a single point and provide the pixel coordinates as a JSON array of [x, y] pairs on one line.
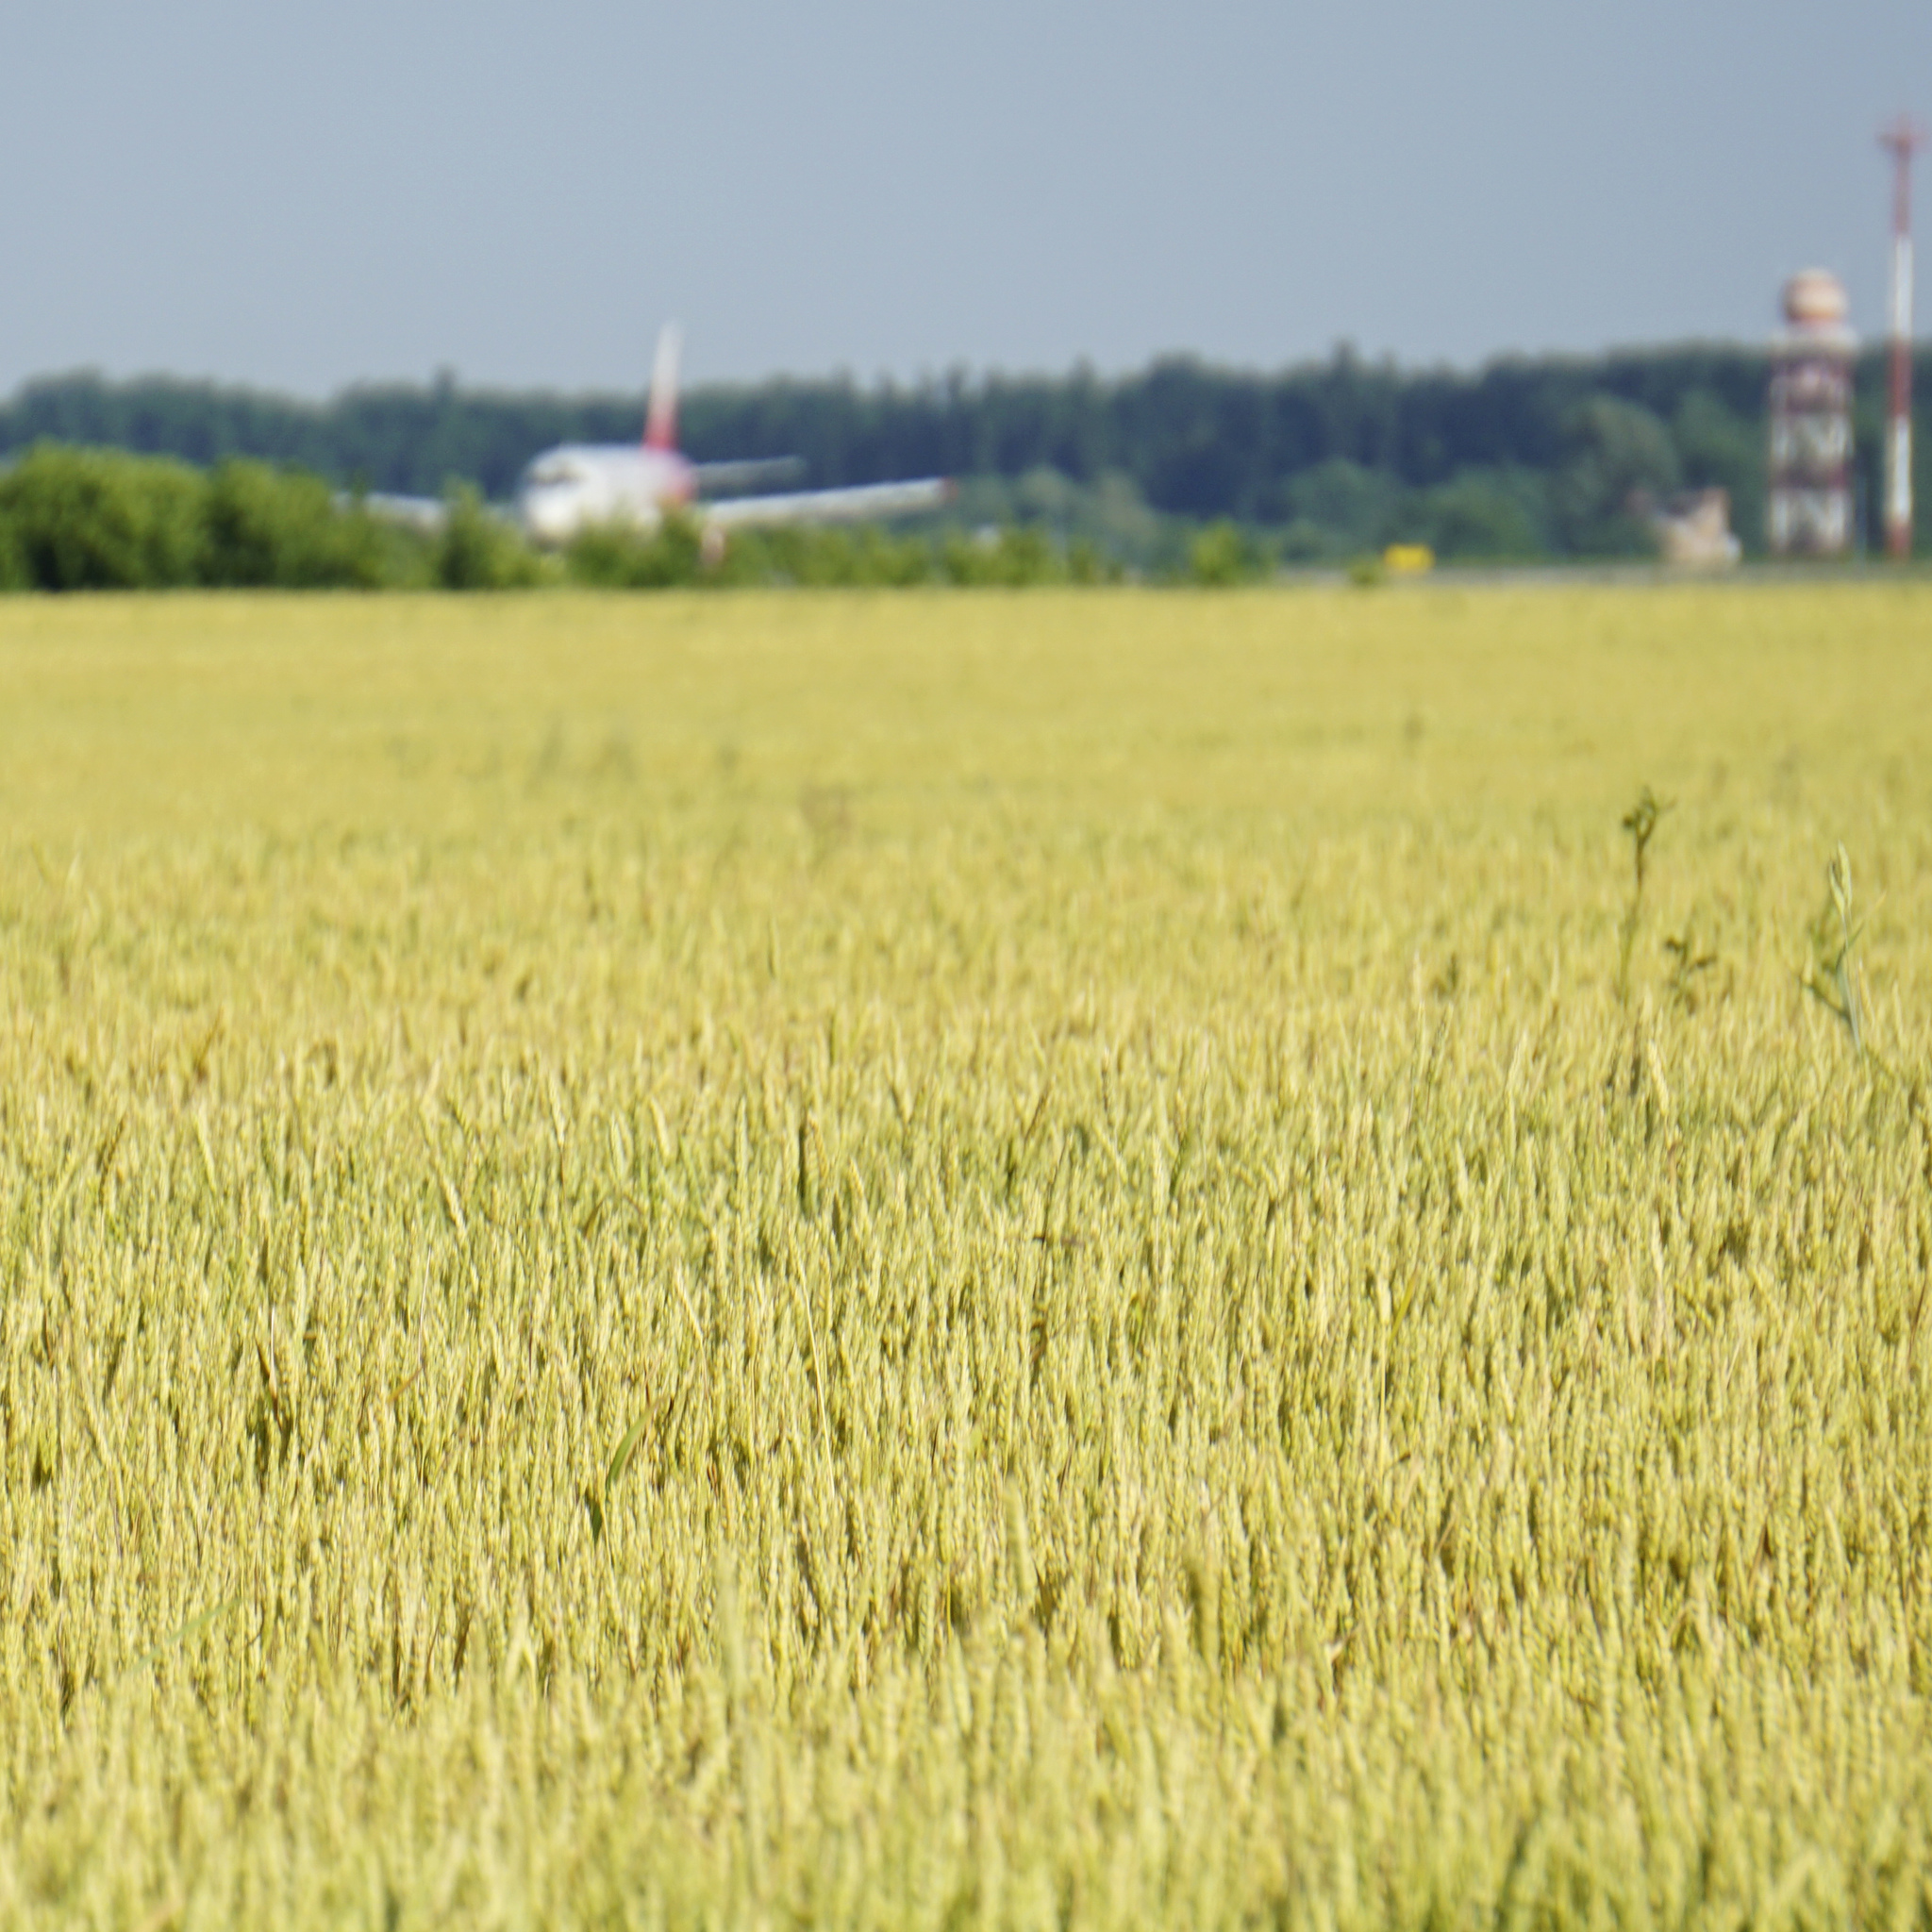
[[1526, 457]]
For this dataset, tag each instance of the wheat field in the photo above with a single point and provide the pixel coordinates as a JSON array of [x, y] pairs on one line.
[[933, 1261]]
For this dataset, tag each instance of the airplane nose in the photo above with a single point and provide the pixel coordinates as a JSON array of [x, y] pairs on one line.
[[539, 513]]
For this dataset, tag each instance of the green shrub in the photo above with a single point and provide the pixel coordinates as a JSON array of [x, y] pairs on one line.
[[478, 551], [1087, 563], [878, 557], [95, 520], [1011, 558], [625, 557], [814, 555], [283, 529], [14, 572], [1220, 555], [92, 520]]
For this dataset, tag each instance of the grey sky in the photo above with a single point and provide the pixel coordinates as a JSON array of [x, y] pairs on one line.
[[301, 196]]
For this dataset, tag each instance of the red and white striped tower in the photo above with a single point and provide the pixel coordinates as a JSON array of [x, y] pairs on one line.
[[1902, 139], [1809, 507]]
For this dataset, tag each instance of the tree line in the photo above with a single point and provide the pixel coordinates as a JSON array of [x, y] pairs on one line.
[[1525, 457]]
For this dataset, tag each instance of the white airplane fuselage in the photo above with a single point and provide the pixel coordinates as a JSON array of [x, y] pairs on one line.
[[581, 484]]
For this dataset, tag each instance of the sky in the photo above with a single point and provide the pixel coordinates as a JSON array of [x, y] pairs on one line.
[[300, 197]]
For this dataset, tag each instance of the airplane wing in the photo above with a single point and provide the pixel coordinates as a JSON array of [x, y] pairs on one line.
[[829, 505], [747, 474], [425, 513]]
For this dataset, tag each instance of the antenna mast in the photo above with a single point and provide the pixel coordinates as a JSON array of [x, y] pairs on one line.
[[1902, 139]]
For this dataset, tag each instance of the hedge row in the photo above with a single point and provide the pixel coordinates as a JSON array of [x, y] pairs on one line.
[[98, 520]]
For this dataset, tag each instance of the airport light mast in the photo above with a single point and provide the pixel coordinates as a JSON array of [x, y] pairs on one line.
[[1902, 139]]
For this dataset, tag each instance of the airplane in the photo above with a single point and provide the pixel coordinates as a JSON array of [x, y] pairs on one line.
[[578, 485]]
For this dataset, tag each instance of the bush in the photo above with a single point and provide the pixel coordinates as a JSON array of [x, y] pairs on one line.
[[625, 557], [13, 574], [1010, 558], [99, 519], [878, 557], [94, 520], [1089, 564], [478, 551], [264, 527], [813, 555], [1220, 555]]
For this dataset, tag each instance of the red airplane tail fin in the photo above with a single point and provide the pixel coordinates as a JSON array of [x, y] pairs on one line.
[[661, 422]]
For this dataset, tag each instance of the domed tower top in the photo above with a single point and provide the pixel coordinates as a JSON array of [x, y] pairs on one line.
[[1815, 299]]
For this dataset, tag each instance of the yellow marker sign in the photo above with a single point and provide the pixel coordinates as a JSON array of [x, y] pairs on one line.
[[1409, 560]]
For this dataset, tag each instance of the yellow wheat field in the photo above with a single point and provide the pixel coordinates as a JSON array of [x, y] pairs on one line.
[[947, 1261]]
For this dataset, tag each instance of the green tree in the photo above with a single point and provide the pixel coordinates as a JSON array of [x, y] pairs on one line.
[[1719, 448], [1355, 508], [1616, 454], [1484, 516]]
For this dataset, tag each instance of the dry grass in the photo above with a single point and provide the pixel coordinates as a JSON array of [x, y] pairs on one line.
[[922, 1260]]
